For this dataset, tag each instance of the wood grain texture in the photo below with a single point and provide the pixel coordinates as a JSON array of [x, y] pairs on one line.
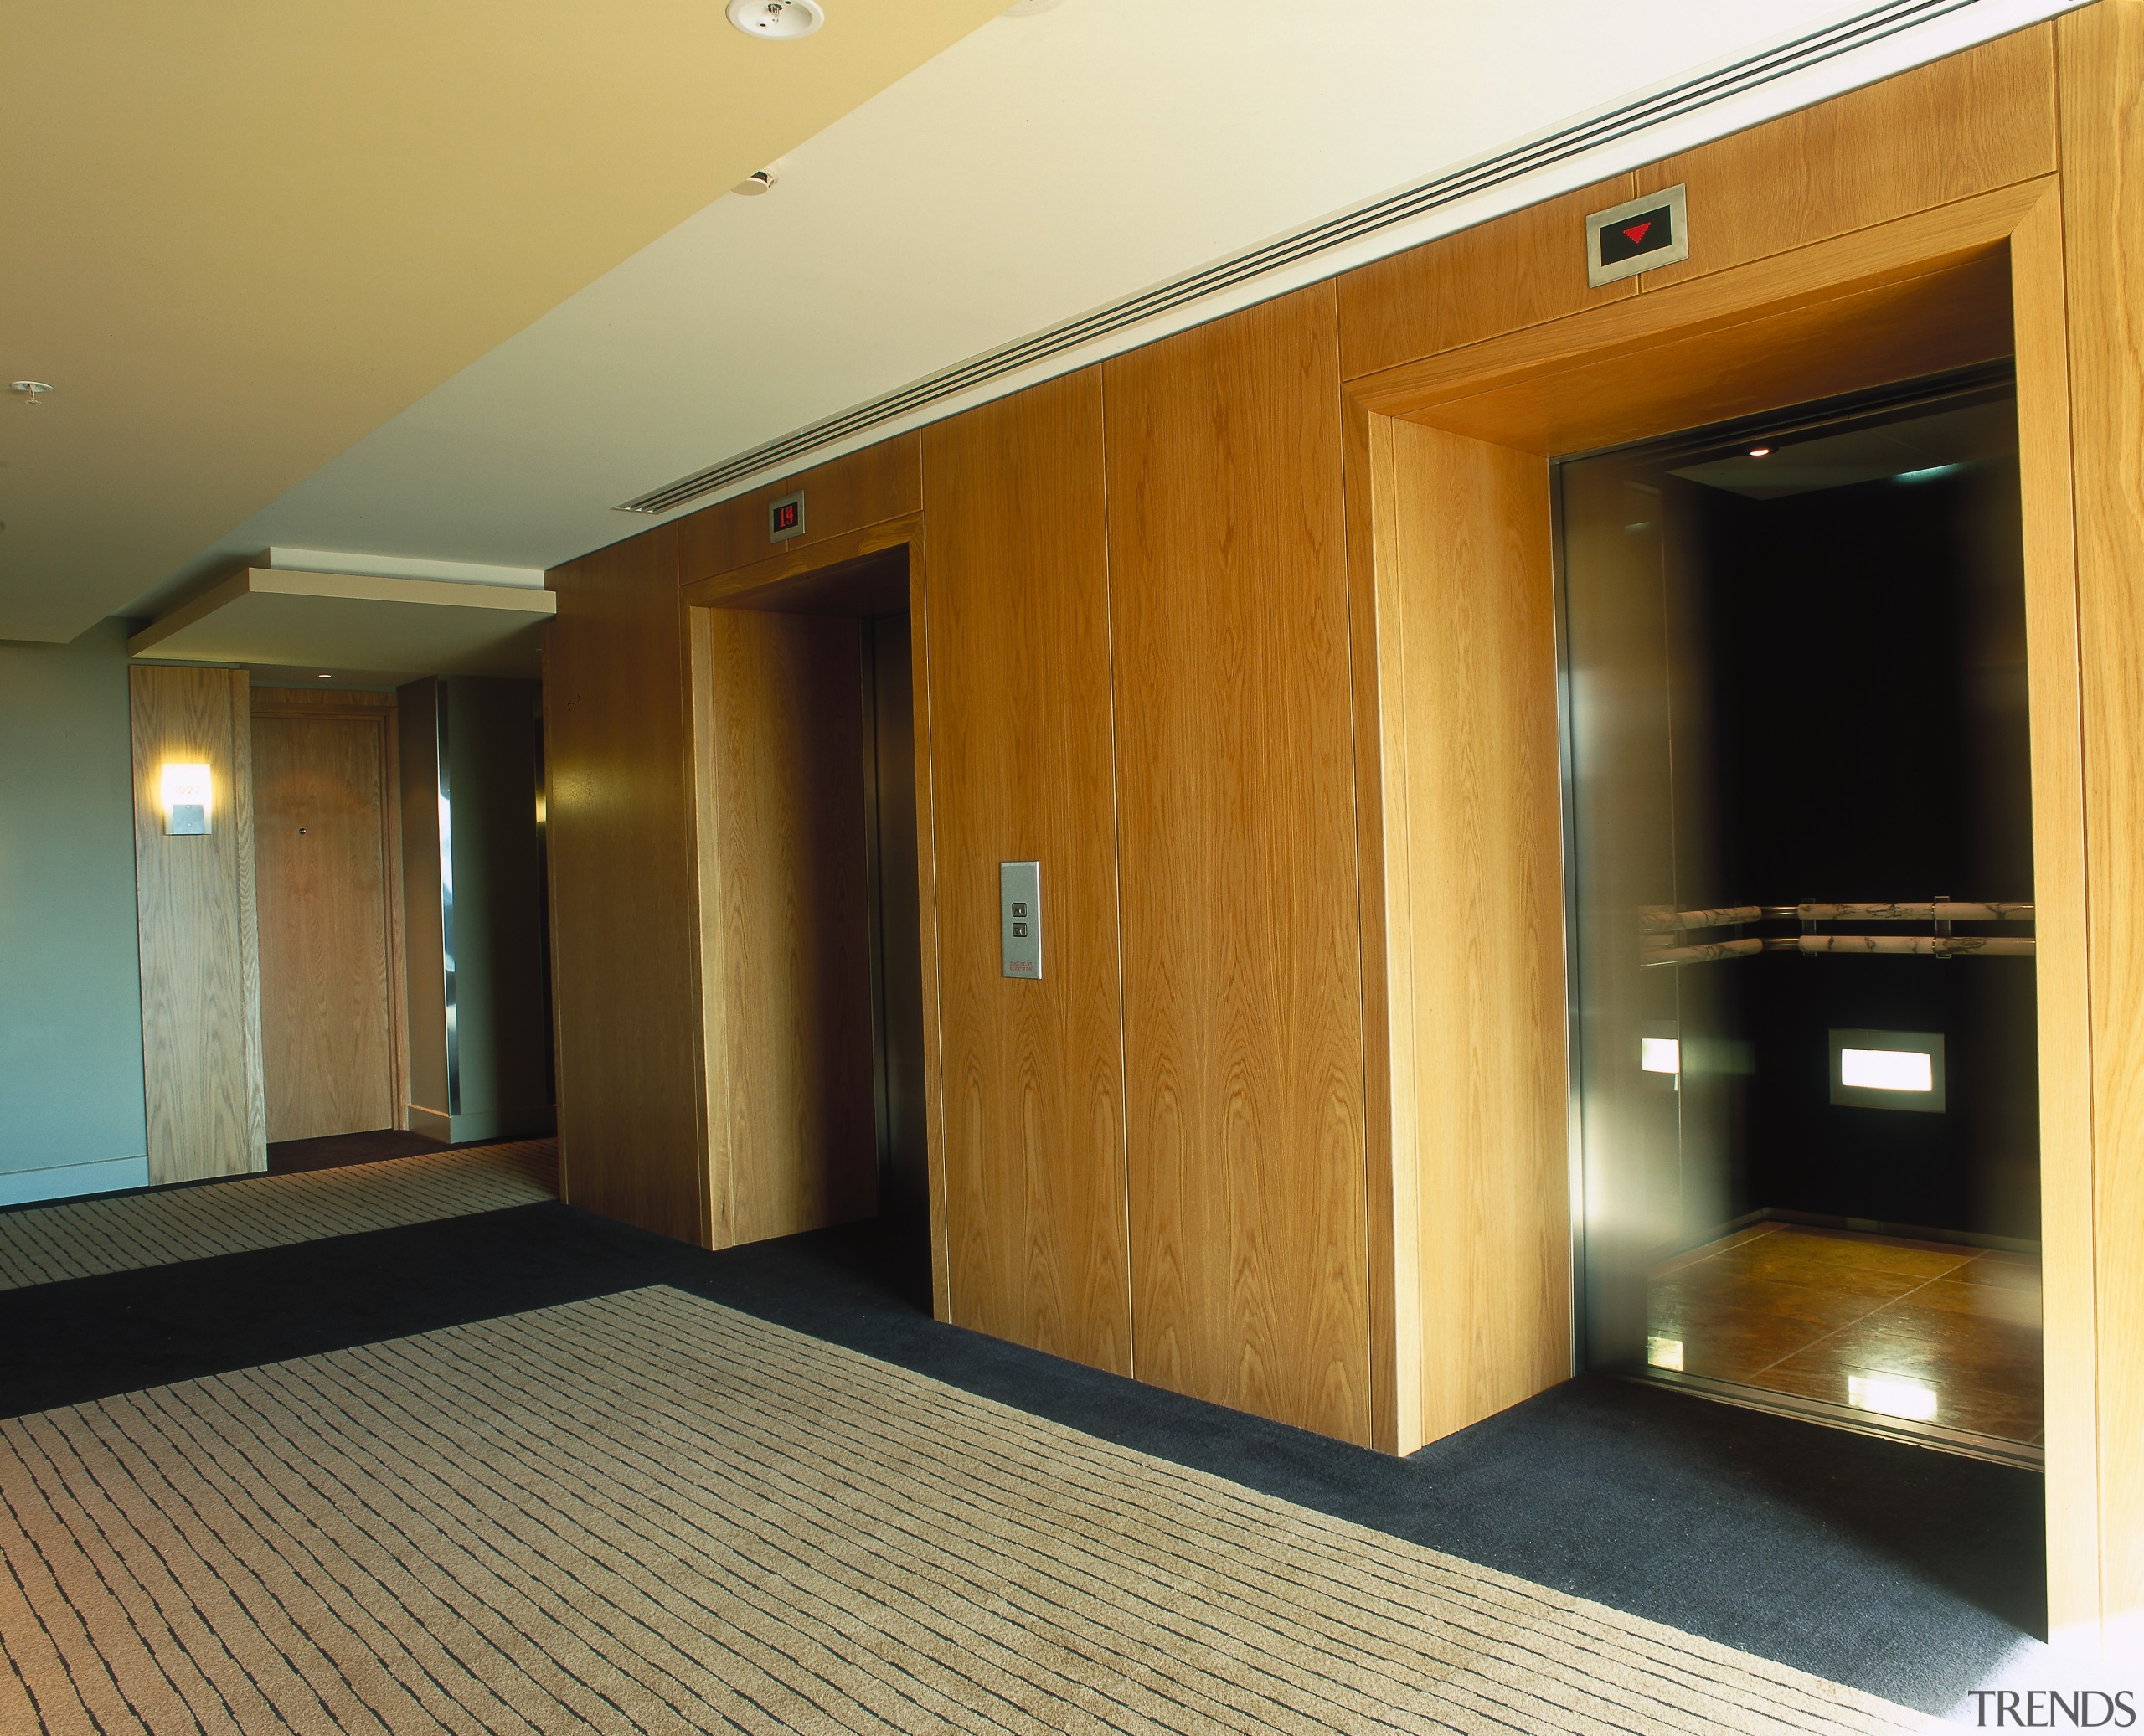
[[1474, 937], [1961, 125], [771, 582], [382, 708], [324, 882], [1242, 987], [625, 935], [779, 764], [1395, 1293], [2102, 82], [199, 1014], [1034, 1156], [840, 495], [1510, 272], [1817, 348], [1925, 244], [2068, 1323]]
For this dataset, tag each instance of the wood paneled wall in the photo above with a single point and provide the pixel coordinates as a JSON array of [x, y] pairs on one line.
[[624, 928], [779, 734], [1328, 721], [1243, 1025], [200, 956], [1033, 1164]]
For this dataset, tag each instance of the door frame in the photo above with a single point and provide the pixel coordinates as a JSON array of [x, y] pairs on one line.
[[794, 574], [1963, 282]]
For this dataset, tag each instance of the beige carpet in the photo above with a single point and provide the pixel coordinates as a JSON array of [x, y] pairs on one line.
[[44, 1244], [649, 1513]]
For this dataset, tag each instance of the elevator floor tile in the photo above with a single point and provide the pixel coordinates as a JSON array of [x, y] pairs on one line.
[[1915, 1332]]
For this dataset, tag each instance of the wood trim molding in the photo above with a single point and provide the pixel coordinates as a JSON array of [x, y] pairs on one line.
[[1865, 260], [809, 558]]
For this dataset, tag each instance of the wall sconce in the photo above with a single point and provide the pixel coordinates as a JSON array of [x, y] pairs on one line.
[[186, 791]]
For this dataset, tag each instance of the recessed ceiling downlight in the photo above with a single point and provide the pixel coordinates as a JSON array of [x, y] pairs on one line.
[[757, 182], [777, 20]]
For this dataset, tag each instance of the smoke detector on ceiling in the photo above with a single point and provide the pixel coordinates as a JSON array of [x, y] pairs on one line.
[[757, 182], [777, 20]]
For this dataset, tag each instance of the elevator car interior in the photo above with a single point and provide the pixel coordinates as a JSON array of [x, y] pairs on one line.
[[1801, 827]]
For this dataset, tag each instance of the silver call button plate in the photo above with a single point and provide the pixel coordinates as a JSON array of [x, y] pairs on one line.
[[1019, 917]]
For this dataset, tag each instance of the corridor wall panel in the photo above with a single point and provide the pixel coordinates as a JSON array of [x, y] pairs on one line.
[[1236, 820], [1033, 1116], [199, 944], [624, 941]]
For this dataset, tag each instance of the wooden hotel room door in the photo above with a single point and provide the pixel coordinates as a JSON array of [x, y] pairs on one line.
[[322, 789]]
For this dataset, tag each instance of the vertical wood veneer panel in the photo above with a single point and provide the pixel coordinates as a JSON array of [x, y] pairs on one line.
[[2102, 84], [624, 957], [1966, 124], [1236, 822], [200, 1022], [792, 1138], [1473, 897], [1033, 1116]]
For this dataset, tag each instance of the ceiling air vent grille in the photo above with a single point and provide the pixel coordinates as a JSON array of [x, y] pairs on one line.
[[1529, 159]]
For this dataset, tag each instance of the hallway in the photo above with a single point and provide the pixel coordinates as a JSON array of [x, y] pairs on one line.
[[420, 1449]]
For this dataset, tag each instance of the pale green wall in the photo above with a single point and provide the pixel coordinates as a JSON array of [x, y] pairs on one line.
[[71, 991]]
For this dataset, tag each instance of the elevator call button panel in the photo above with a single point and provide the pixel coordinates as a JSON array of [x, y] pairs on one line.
[[1019, 917], [1639, 235]]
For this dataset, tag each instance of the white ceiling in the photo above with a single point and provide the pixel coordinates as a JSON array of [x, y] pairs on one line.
[[1036, 168]]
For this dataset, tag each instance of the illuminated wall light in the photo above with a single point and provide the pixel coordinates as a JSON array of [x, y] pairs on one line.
[[1886, 1069], [1660, 1054], [1664, 1354], [1760, 451], [1889, 1070], [187, 791], [1892, 1395]]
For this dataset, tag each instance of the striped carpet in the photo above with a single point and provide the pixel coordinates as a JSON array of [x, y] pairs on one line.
[[81, 1238], [647, 1511]]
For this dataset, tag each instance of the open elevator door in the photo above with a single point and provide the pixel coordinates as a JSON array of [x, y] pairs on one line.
[[1799, 827]]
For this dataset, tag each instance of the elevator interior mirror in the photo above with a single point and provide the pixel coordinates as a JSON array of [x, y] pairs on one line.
[[1799, 821]]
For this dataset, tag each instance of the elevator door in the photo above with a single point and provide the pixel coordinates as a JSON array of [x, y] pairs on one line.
[[320, 852], [1799, 826]]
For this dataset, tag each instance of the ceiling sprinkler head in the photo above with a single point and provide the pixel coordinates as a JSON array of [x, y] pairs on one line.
[[775, 20], [34, 389]]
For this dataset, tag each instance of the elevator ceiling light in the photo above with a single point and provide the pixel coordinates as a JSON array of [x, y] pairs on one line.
[[1929, 475], [1886, 1069], [1892, 1395], [1660, 1054], [775, 20], [1760, 451], [185, 788]]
